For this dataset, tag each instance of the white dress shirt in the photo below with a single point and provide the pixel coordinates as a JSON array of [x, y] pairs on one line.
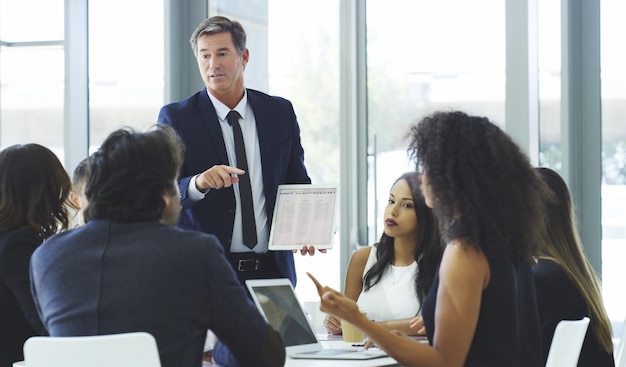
[[255, 170]]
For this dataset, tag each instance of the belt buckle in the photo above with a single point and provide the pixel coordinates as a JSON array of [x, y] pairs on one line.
[[247, 265]]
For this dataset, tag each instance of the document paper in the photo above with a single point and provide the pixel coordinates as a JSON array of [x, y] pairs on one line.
[[304, 215]]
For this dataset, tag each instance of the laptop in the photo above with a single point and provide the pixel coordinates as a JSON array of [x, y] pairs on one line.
[[304, 214], [277, 302]]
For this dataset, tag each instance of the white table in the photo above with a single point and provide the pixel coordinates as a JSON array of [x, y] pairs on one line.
[[376, 362], [335, 341], [330, 341]]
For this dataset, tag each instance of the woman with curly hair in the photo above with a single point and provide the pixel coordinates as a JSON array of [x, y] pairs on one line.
[[487, 198], [567, 286], [391, 278], [34, 191]]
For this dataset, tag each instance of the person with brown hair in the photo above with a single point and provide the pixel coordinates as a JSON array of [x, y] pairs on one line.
[[567, 286], [34, 191], [240, 145], [129, 269]]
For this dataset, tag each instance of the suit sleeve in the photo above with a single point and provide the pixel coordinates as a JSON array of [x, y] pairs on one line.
[[246, 337], [167, 117]]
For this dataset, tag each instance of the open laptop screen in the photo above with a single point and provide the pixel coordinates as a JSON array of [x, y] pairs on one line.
[[282, 310]]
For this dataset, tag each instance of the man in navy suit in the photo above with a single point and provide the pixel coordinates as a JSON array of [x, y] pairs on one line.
[[209, 181]]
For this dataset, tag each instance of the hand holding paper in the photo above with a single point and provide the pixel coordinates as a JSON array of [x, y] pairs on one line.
[[309, 250]]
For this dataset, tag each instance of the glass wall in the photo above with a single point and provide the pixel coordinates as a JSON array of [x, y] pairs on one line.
[[126, 65], [421, 59], [549, 61], [613, 78], [613, 84], [125, 69], [32, 73], [304, 68]]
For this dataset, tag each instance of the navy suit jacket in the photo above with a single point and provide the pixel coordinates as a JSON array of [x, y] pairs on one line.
[[282, 161], [108, 277]]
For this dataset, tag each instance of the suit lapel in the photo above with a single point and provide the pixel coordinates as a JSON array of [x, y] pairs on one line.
[[212, 125]]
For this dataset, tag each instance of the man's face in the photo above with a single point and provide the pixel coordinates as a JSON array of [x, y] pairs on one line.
[[171, 212], [78, 198], [220, 65]]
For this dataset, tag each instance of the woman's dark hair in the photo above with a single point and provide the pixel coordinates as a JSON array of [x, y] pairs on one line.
[[427, 252], [34, 190], [130, 172], [485, 189]]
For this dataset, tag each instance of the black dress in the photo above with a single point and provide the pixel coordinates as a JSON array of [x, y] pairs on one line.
[[507, 333], [18, 316], [559, 299]]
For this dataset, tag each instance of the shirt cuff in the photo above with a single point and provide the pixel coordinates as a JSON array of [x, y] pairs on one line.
[[192, 191]]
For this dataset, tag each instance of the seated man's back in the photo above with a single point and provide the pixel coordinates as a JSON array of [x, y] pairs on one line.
[[121, 272]]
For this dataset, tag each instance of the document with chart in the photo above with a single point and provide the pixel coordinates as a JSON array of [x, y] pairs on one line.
[[303, 215]]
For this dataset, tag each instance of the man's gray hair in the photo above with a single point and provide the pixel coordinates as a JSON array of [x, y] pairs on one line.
[[219, 24]]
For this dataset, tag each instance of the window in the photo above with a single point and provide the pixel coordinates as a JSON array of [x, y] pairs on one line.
[[304, 68], [549, 60], [613, 89], [126, 69], [126, 65], [32, 73], [422, 59]]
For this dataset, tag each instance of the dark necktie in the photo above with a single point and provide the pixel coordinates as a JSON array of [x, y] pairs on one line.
[[245, 190]]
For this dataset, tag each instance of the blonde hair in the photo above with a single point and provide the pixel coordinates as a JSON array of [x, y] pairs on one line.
[[563, 246]]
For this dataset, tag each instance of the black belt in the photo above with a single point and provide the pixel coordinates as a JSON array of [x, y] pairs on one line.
[[249, 261]]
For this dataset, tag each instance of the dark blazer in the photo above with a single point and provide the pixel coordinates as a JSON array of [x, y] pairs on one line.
[[107, 277], [282, 160], [559, 299], [18, 316]]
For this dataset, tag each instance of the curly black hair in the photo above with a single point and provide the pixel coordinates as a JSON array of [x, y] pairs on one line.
[[427, 252], [484, 186]]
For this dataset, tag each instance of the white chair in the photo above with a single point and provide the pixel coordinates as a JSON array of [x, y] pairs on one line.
[[566, 343], [620, 356], [119, 350]]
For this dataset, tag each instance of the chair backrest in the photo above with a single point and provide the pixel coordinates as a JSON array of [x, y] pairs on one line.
[[567, 342], [620, 356], [119, 350]]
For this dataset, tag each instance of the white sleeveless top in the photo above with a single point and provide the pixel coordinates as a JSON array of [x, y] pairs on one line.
[[393, 297]]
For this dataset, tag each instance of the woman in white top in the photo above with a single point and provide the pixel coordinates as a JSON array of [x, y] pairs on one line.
[[390, 279]]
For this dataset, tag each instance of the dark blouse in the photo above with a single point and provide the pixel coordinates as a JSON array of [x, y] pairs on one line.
[[507, 333], [559, 299], [18, 316]]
